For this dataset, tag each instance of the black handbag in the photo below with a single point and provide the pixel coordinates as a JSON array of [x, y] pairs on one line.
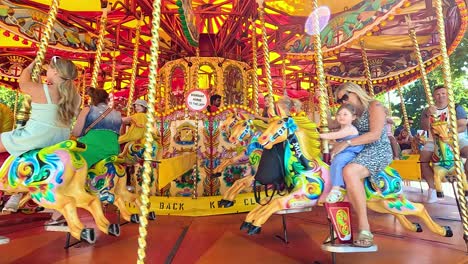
[[270, 172]]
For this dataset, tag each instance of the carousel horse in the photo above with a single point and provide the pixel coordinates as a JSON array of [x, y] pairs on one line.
[[443, 160], [55, 177], [132, 154], [107, 180], [246, 134], [307, 176]]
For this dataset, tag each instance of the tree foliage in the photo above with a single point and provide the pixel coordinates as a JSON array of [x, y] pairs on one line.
[[8, 97], [415, 97]]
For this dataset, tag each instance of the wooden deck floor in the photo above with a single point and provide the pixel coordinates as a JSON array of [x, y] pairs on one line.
[[217, 239]]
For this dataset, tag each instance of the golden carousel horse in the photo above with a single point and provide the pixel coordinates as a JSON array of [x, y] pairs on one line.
[[307, 178], [55, 177], [443, 159], [244, 132]]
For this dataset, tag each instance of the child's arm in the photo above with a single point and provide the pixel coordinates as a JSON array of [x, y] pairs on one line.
[[344, 132], [126, 120]]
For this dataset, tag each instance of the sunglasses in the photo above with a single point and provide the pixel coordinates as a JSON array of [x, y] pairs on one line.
[[343, 98]]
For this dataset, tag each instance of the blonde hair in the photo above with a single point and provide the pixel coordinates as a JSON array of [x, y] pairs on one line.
[[357, 90], [68, 94]]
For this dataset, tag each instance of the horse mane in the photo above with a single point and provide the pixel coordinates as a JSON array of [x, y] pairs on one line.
[[260, 125], [308, 137]]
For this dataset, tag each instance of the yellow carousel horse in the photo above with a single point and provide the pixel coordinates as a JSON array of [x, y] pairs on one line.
[[443, 159], [245, 133], [55, 177], [307, 179]]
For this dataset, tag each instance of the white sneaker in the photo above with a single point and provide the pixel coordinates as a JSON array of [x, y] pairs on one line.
[[431, 196], [13, 203]]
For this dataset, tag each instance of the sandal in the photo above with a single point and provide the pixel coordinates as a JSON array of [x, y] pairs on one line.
[[336, 195], [364, 239]]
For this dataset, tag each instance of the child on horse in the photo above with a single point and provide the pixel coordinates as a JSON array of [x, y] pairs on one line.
[[345, 116]]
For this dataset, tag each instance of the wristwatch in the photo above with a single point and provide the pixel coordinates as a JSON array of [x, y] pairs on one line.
[[348, 142]]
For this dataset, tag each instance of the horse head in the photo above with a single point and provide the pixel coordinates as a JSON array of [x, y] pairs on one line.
[[241, 132], [277, 131], [440, 130]]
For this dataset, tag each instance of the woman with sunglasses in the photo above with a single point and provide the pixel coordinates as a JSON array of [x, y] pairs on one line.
[[53, 106], [376, 155]]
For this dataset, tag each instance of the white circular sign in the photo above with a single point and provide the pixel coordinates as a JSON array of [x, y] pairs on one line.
[[197, 100]]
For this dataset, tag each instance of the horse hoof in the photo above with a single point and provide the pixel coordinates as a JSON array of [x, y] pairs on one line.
[[228, 204], [134, 218], [440, 194], [221, 203], [87, 234], [245, 225], [152, 216], [418, 227], [225, 203], [114, 230], [253, 230], [216, 175], [448, 231]]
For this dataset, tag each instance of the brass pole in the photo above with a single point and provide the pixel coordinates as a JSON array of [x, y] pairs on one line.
[[424, 79], [99, 48], [255, 67], [266, 52], [453, 119], [136, 49], [367, 69], [148, 155], [323, 98]]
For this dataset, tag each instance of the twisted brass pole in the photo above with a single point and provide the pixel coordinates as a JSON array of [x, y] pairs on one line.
[[403, 106], [136, 49], [367, 69], [425, 81], [99, 48], [113, 79], [453, 119], [266, 52], [255, 67], [83, 87], [323, 98], [15, 107], [195, 85], [23, 113], [283, 69], [153, 72]]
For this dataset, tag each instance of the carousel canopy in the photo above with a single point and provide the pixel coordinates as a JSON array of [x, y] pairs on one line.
[[224, 29]]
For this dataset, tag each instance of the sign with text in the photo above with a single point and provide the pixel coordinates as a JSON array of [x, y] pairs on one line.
[[197, 100]]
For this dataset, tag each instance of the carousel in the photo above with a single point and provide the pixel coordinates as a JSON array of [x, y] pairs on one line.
[[190, 174]]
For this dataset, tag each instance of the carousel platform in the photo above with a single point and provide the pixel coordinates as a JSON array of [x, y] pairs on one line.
[[217, 239]]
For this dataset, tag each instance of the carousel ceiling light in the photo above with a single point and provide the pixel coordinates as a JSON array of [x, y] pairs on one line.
[[323, 13]]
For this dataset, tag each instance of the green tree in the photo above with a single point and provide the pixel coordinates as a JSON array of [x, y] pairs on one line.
[[8, 97], [414, 95]]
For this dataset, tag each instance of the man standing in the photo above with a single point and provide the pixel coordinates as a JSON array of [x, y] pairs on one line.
[[440, 112]]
